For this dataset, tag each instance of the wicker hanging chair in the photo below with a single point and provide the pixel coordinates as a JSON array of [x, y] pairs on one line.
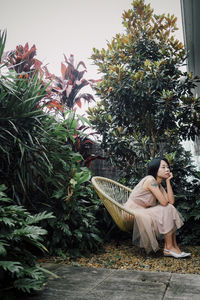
[[114, 195]]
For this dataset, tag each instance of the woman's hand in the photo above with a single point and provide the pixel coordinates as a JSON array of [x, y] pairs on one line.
[[170, 176]]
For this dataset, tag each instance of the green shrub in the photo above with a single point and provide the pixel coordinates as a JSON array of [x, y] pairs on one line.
[[23, 135], [76, 229], [20, 240], [39, 164]]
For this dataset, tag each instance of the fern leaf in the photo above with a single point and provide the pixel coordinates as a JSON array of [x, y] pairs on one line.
[[33, 272], [12, 266], [39, 217], [28, 284], [33, 232], [4, 198], [3, 250], [17, 209], [65, 228], [7, 221]]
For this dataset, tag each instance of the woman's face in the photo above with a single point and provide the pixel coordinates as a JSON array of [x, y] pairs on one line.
[[164, 170]]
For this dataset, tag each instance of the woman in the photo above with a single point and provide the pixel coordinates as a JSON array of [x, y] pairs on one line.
[[154, 211]]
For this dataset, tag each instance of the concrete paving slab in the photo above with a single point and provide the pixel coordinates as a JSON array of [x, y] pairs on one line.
[[161, 277], [82, 283], [73, 282], [126, 284], [184, 287], [110, 290]]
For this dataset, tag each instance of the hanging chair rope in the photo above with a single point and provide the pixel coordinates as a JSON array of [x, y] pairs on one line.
[[114, 195]]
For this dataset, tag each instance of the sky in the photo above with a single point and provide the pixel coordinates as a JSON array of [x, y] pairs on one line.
[[70, 26]]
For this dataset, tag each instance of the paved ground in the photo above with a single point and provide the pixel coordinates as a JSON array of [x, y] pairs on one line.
[[83, 283]]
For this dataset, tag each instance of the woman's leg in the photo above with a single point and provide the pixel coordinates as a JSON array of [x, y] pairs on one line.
[[175, 242], [170, 242]]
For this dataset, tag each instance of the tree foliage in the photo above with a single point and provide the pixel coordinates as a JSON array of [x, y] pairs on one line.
[[145, 96], [147, 106]]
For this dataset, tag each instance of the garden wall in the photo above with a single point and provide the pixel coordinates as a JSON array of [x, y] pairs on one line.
[[101, 167]]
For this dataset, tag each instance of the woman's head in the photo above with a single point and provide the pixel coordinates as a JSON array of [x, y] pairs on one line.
[[154, 165]]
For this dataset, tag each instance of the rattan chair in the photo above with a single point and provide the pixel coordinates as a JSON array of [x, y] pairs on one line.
[[114, 195]]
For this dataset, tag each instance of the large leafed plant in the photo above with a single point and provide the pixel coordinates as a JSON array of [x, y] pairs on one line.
[[40, 161]]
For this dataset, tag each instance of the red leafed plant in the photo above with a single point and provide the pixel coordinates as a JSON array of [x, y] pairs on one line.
[[63, 93], [22, 60], [66, 89], [83, 145]]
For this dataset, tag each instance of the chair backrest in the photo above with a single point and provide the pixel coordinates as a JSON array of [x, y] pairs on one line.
[[114, 195]]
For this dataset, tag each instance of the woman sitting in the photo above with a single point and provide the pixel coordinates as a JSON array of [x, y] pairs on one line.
[[154, 211]]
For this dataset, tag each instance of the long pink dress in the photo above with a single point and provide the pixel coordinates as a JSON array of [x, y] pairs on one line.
[[150, 218]]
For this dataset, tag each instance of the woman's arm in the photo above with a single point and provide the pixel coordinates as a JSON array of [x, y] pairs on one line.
[[152, 185], [170, 194]]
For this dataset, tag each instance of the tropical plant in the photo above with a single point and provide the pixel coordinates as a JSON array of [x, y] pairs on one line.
[[64, 92], [84, 145], [24, 158], [39, 163], [30, 148], [20, 240], [69, 197], [42, 165], [22, 60]]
